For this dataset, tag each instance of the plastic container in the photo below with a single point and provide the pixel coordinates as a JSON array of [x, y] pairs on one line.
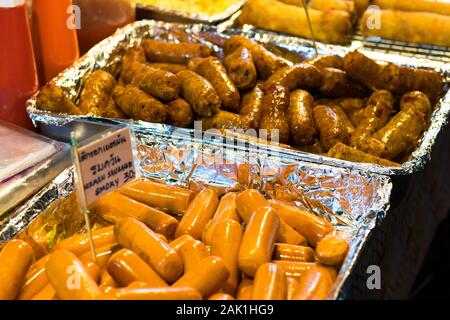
[[18, 74], [54, 36], [101, 18]]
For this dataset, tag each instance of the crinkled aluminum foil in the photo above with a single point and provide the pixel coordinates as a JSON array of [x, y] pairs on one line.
[[353, 201], [108, 54], [183, 16]]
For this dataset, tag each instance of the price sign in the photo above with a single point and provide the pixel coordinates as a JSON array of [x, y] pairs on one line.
[[106, 164]]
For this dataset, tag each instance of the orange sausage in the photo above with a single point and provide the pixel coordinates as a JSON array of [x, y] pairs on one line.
[[108, 281], [138, 284], [269, 283], [47, 293], [167, 198], [315, 284], [226, 241], [69, 277], [192, 252], [15, 259], [126, 267], [331, 250], [207, 279], [115, 206], [258, 240], [163, 237], [35, 280], [249, 200], [221, 296], [93, 270], [245, 289], [313, 227], [225, 210], [134, 235], [180, 241], [292, 286], [199, 212], [102, 255], [295, 269], [79, 244], [167, 293], [291, 252]]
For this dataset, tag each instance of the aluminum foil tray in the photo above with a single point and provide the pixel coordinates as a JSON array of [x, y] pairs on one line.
[[354, 201], [108, 53]]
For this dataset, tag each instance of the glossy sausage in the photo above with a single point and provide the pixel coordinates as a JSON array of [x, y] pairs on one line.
[[301, 121], [170, 52], [221, 296], [191, 252], [166, 293], [330, 126], [180, 113], [299, 76], [269, 283], [294, 269], [134, 235], [331, 250], [251, 107], [275, 114], [289, 252], [241, 68], [245, 289], [315, 284]]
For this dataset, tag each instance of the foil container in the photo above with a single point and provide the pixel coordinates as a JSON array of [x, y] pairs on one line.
[[354, 201], [108, 53], [166, 14]]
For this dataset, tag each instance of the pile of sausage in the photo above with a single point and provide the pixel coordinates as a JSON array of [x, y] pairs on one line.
[[343, 107], [238, 246]]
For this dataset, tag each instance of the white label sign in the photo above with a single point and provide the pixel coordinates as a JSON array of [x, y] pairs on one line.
[[106, 164]]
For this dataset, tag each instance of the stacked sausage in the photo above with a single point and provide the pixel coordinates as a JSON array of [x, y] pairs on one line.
[[240, 246], [336, 106]]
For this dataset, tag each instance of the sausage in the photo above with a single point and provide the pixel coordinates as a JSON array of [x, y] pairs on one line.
[[112, 110], [388, 76], [289, 252], [241, 68], [126, 267], [62, 268], [115, 206], [313, 227], [180, 241], [292, 285], [336, 84], [251, 108], [226, 210], [294, 269], [299, 76], [136, 53], [226, 241], [349, 105], [102, 255], [344, 152], [171, 67], [248, 201], [275, 114], [301, 121], [169, 293], [221, 296], [269, 283], [222, 120], [164, 197], [47, 293], [245, 289], [93, 270], [266, 62], [207, 279], [198, 214], [212, 69], [107, 281], [327, 61], [180, 113], [163, 237], [199, 93], [15, 259], [194, 63], [416, 100], [373, 117], [158, 83], [258, 240], [349, 127], [79, 244], [134, 235], [191, 252], [138, 105], [170, 52], [97, 89], [331, 250], [53, 99], [35, 280], [314, 285], [330, 126], [402, 131]]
